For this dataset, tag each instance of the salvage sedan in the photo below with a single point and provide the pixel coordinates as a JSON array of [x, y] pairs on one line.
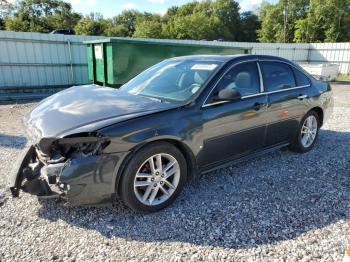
[[184, 116]]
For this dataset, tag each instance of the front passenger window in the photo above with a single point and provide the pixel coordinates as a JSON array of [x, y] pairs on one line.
[[242, 77]]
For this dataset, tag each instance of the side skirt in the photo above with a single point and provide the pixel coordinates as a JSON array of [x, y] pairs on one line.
[[230, 162]]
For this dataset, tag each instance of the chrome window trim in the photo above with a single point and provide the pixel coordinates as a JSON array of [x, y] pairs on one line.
[[287, 89], [264, 93], [262, 88]]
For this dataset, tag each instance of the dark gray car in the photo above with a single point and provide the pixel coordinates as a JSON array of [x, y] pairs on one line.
[[188, 115]]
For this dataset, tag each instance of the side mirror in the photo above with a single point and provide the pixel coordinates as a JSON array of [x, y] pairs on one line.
[[229, 94]]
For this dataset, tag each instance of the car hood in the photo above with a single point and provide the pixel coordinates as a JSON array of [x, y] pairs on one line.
[[85, 109]]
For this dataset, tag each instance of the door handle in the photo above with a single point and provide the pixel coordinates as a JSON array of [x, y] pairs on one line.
[[257, 106], [301, 97]]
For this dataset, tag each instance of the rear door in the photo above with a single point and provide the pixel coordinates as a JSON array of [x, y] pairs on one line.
[[287, 90]]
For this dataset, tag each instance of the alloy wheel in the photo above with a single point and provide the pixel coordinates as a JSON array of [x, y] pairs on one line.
[[309, 131], [157, 179]]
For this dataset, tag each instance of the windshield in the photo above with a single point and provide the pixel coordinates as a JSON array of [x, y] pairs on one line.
[[173, 80]]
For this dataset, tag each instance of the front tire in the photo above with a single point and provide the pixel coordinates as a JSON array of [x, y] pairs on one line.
[[307, 133], [153, 178]]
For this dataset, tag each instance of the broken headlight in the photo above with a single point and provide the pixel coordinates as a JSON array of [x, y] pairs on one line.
[[75, 147]]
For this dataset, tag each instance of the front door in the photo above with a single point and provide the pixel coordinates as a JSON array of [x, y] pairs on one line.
[[233, 129]]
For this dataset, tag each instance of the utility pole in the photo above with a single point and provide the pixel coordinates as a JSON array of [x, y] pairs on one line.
[[308, 21], [285, 19]]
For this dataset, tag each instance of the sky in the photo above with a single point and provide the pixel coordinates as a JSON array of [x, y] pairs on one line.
[[110, 8]]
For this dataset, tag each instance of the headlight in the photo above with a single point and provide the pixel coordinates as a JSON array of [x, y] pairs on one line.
[[82, 146], [87, 149]]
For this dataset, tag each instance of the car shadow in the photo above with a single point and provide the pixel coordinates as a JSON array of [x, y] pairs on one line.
[[10, 141], [276, 197]]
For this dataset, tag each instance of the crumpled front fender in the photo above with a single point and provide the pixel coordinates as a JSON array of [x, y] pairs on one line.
[[91, 180]]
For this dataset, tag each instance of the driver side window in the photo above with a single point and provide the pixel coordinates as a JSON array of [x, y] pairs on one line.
[[243, 77]]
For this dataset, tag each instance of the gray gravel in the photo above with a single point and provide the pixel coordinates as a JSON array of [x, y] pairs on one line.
[[283, 206]]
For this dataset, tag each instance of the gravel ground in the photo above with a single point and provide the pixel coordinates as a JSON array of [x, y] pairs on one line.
[[283, 206]]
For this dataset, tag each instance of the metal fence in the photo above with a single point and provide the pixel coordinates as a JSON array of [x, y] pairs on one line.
[[318, 53], [33, 63]]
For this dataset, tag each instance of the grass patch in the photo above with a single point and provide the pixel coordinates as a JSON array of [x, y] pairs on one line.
[[342, 77]]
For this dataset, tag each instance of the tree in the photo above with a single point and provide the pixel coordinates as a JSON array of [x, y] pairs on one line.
[[271, 23], [227, 12], [92, 24], [6, 9], [196, 26], [127, 19], [272, 20], [203, 20], [249, 25], [41, 16], [115, 29], [326, 21], [171, 12], [149, 26], [63, 17], [306, 21]]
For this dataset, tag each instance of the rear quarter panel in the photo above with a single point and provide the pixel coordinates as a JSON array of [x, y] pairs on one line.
[[321, 95]]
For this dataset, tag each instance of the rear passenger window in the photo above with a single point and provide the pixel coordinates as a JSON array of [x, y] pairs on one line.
[[301, 78], [277, 76]]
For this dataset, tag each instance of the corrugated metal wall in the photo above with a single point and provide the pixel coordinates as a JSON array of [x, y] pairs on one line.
[[34, 61], [337, 53], [41, 61]]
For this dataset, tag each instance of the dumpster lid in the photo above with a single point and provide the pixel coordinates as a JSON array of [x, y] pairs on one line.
[[230, 45]]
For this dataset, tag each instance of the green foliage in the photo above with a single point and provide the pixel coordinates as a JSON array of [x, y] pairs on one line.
[[208, 19], [342, 77], [122, 25], [307, 21], [326, 21], [115, 29], [127, 19], [272, 20], [149, 26], [196, 26], [92, 24], [271, 23], [248, 24], [40, 16], [227, 12], [5, 11]]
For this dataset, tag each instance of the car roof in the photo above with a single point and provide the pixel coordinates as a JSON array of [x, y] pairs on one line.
[[227, 58], [222, 58]]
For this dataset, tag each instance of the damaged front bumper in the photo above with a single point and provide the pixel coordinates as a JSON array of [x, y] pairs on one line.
[[85, 180]]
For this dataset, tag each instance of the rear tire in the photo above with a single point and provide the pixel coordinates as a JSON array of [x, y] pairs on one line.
[[307, 133], [153, 178]]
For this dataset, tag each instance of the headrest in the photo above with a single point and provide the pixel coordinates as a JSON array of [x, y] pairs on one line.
[[243, 80], [200, 77]]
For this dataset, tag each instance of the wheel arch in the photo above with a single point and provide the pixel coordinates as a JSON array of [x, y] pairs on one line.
[[319, 112], [192, 168]]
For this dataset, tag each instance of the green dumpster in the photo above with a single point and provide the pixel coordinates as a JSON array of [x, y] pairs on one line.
[[114, 61]]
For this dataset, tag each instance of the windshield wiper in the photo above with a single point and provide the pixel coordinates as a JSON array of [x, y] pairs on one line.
[[160, 99]]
